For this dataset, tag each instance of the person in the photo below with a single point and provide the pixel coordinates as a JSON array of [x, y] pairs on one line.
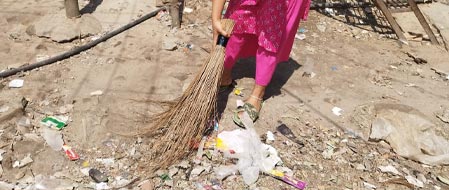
[[263, 28]]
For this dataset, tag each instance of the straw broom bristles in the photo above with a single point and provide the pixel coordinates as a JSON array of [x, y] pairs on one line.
[[184, 123]]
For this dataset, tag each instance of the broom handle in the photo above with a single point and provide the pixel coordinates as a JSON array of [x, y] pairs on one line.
[[227, 25]]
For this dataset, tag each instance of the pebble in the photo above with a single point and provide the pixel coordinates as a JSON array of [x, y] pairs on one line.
[[360, 167], [169, 44], [25, 161], [147, 185], [369, 186], [4, 108], [172, 171], [197, 171], [184, 164]]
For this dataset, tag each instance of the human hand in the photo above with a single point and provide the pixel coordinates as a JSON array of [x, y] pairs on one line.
[[218, 29]]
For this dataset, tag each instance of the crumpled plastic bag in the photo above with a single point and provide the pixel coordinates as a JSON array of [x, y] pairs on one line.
[[410, 135], [253, 155]]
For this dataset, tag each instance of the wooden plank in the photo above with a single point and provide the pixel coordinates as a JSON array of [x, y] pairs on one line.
[[423, 22], [396, 28]]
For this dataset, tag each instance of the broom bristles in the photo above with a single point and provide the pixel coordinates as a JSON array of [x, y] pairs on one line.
[[184, 123]]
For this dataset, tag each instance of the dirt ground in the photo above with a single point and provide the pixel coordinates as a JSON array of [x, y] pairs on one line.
[[351, 53]]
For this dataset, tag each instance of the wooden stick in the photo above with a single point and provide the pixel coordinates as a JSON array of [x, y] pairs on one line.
[[396, 28], [72, 9], [423, 22]]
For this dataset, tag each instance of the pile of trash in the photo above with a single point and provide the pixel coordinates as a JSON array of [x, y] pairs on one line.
[[250, 156]]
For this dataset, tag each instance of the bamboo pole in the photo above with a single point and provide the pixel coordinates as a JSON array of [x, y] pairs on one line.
[[72, 9], [175, 13]]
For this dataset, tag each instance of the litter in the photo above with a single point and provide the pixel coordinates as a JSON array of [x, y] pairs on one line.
[[270, 136], [389, 169], [200, 152], [188, 10], [414, 181], [101, 186], [337, 111], [410, 134], [287, 132], [253, 156], [287, 179], [238, 91], [96, 93], [98, 176], [55, 122], [16, 83], [53, 138], [443, 74], [108, 162], [70, 153], [1, 153], [369, 186], [51, 183], [334, 68], [300, 36], [4, 109], [443, 180]]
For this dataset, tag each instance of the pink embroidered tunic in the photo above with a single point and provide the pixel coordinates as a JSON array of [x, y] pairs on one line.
[[268, 19]]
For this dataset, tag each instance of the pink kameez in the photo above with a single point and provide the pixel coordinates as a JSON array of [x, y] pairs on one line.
[[265, 29]]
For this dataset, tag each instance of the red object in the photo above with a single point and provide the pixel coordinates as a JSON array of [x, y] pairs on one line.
[[70, 153]]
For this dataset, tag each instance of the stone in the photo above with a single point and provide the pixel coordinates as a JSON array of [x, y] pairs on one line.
[[147, 185], [169, 44], [61, 29], [25, 161], [172, 171]]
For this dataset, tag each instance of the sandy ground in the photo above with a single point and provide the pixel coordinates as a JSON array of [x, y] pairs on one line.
[[355, 64]]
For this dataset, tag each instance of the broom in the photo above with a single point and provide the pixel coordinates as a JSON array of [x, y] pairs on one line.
[[186, 120]]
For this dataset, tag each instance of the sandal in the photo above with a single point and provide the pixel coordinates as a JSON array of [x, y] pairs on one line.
[[227, 87], [250, 109]]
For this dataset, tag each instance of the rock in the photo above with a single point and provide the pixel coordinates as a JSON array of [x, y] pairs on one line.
[[414, 181], [169, 44], [19, 175], [147, 185], [197, 171], [4, 108], [1, 153], [169, 183], [369, 186], [108, 162], [443, 180], [172, 171], [321, 27], [444, 116], [25, 161], [61, 29], [66, 109], [6, 186], [360, 167], [422, 178], [184, 164], [389, 169]]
